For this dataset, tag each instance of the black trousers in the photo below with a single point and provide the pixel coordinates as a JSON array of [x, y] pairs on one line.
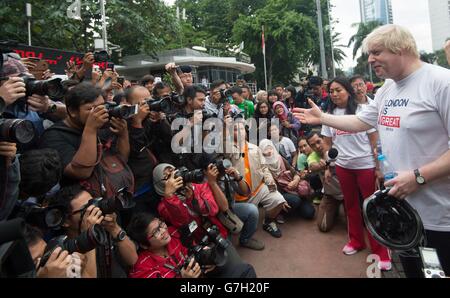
[[440, 241]]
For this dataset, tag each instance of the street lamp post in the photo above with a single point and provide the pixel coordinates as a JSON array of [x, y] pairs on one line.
[[331, 40], [322, 43], [104, 35], [28, 12]]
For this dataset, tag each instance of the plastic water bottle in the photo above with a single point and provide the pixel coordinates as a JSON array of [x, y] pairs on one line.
[[379, 149], [386, 168]]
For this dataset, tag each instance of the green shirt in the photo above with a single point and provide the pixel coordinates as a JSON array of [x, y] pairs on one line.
[[313, 158], [302, 161], [247, 107]]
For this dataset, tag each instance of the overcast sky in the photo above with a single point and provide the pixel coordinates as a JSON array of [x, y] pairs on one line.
[[412, 14]]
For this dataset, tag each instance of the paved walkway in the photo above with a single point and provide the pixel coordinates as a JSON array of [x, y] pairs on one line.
[[305, 252]]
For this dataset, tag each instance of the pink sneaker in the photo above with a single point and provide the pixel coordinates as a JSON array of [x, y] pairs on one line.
[[349, 250], [384, 265]]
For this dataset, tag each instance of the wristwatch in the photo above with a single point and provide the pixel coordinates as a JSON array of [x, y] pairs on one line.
[[121, 236], [52, 108], [419, 178]]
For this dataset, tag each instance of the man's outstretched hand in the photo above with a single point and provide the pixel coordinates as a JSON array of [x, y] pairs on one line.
[[309, 116]]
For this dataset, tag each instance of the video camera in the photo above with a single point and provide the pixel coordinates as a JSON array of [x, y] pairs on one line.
[[85, 242], [211, 250], [16, 131]]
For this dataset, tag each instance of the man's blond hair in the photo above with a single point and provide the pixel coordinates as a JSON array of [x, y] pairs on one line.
[[394, 38]]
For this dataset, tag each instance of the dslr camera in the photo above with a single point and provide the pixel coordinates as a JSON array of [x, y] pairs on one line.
[[18, 131], [236, 115], [211, 250], [121, 111], [51, 87], [85, 242], [51, 217], [225, 95], [196, 176], [122, 201], [101, 56], [222, 164]]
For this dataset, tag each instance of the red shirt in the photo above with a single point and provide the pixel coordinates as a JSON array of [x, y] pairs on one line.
[[172, 210], [150, 265]]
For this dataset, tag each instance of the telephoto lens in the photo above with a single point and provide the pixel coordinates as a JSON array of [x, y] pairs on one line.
[[51, 88], [16, 131], [195, 176], [121, 111]]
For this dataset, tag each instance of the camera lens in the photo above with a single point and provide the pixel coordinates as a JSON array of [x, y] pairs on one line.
[[16, 131], [54, 218]]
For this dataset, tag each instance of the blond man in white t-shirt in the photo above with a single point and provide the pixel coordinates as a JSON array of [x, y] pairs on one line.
[[412, 114]]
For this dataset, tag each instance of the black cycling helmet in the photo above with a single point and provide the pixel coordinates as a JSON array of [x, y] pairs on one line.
[[392, 222]]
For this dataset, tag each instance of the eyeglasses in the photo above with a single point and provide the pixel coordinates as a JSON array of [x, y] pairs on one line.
[[159, 230]]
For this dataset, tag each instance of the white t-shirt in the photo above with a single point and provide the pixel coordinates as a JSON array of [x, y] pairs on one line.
[[355, 151], [288, 146], [413, 120]]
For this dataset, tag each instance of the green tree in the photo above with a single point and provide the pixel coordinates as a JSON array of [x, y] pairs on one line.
[[286, 48], [364, 29], [138, 26]]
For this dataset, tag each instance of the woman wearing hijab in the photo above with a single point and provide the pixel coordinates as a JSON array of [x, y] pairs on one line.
[[290, 183], [290, 126]]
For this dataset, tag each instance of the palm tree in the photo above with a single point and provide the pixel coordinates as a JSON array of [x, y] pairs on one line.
[[364, 29]]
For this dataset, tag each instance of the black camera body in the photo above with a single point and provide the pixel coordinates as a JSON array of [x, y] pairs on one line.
[[51, 87], [122, 201], [85, 242], [121, 111], [196, 176], [211, 250], [225, 94], [222, 164], [51, 217], [170, 104], [18, 131], [101, 56], [236, 115]]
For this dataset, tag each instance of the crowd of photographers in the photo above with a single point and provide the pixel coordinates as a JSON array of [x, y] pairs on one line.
[[93, 187], [103, 177]]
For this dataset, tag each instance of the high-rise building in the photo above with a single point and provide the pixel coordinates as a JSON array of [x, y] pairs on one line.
[[440, 22], [376, 10]]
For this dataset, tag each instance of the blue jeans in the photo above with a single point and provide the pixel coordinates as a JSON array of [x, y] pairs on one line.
[[300, 206], [249, 215]]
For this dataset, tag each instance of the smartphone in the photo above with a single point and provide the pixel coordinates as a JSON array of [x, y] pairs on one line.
[[121, 80], [110, 65]]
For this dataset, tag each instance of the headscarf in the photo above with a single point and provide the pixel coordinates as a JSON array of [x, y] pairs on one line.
[[273, 162], [158, 175], [283, 117]]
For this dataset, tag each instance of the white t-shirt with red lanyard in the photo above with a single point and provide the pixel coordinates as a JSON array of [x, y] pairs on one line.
[[413, 119], [355, 151]]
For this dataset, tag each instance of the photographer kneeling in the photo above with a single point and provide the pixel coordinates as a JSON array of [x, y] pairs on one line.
[[161, 254], [185, 203]]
